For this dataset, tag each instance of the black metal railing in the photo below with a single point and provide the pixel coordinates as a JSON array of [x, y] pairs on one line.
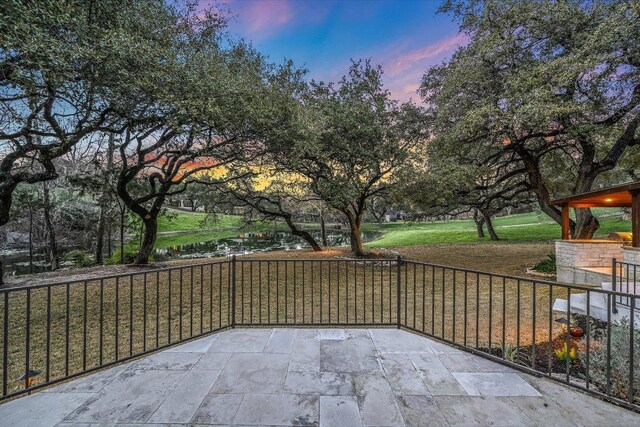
[[569, 333], [624, 278]]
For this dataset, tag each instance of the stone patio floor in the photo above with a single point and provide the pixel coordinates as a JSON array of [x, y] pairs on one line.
[[330, 377]]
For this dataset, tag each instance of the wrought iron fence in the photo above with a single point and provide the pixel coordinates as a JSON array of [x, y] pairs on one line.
[[51, 333], [624, 278]]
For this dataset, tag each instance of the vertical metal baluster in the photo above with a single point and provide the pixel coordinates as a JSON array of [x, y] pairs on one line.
[[464, 315], [211, 296], [232, 290], [5, 344], [130, 315], [169, 309], [144, 312], [295, 293], [27, 328], [433, 300], [329, 289], [286, 292], [406, 292], [338, 263], [398, 290], [490, 311], [268, 291], [381, 292], [414, 295], [443, 299], [550, 343], [477, 309], [157, 309], [191, 280], [241, 290], [117, 314], [48, 339], [588, 333], [390, 290], [632, 309], [84, 328], [260, 291], [346, 289], [321, 300], [312, 292], [567, 333], [304, 301], [373, 292], [518, 316], [251, 291], [453, 308], [424, 285], [355, 292], [504, 316], [180, 306], [66, 333], [533, 325], [608, 344], [277, 292], [201, 297], [219, 295]]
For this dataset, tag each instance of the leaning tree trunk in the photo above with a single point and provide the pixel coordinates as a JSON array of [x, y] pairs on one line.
[[479, 220], [492, 232], [586, 224], [148, 239], [301, 233], [53, 245]]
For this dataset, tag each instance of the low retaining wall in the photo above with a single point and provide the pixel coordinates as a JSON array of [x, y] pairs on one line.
[[574, 258]]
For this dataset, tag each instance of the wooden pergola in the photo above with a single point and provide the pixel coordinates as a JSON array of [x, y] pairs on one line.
[[620, 196]]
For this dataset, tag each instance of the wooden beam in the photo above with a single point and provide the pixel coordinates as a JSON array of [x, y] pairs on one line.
[[566, 225], [635, 219]]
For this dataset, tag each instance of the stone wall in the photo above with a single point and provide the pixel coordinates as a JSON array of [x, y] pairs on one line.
[[632, 255], [587, 253]]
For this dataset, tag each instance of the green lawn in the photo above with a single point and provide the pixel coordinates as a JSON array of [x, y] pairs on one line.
[[193, 221], [517, 228], [530, 227]]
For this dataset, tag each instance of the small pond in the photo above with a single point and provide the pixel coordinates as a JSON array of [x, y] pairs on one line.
[[16, 263], [249, 243]]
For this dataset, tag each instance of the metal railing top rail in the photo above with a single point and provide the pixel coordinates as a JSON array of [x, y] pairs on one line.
[[327, 260], [143, 270]]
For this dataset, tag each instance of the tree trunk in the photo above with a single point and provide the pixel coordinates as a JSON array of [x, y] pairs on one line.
[[586, 224], [53, 245], [98, 256], [479, 220], [355, 221], [122, 210], [148, 240], [30, 239], [492, 232], [301, 233], [323, 230]]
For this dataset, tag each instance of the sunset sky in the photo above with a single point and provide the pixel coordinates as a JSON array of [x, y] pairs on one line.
[[404, 36]]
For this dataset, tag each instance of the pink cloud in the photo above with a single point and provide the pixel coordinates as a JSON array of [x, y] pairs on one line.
[[404, 68], [406, 61], [264, 16]]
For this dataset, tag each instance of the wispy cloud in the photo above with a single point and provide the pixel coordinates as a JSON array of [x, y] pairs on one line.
[[424, 55], [404, 68], [264, 17]]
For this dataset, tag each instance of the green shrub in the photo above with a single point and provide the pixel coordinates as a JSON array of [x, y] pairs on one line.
[[619, 361], [547, 265], [129, 257], [79, 257]]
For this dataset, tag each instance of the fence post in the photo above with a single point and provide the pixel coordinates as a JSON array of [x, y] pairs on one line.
[[398, 279], [613, 284], [233, 291]]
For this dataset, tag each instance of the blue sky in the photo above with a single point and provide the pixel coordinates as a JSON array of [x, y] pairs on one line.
[[404, 36]]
